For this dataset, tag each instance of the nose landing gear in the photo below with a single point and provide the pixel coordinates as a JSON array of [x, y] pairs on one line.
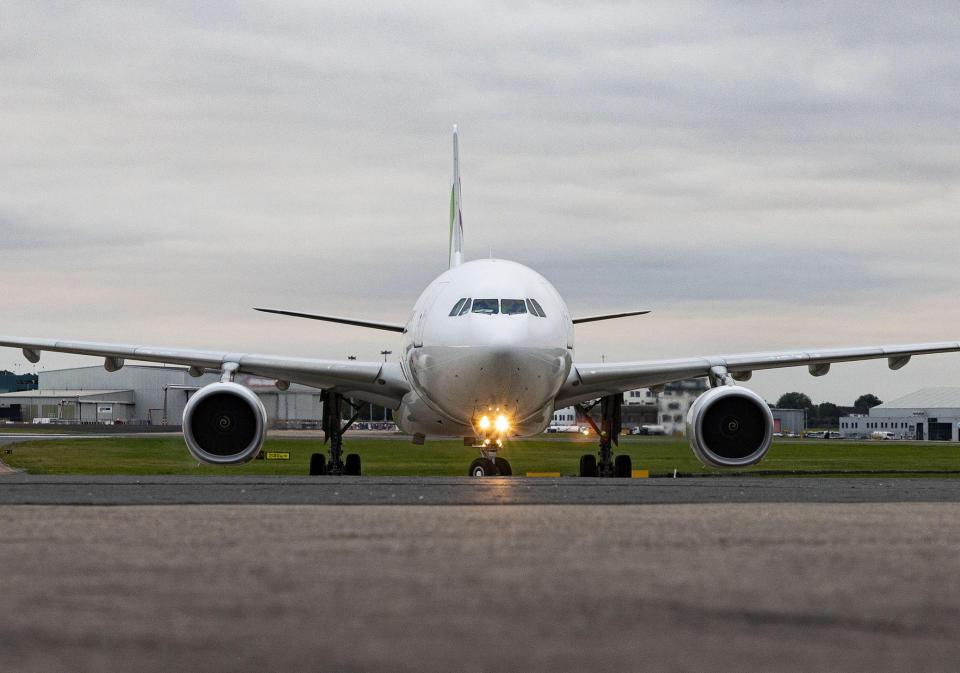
[[490, 467], [490, 433], [490, 464]]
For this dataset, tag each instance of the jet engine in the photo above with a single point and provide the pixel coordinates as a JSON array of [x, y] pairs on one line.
[[224, 424], [730, 426]]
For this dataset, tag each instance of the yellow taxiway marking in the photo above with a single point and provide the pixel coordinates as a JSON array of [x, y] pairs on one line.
[[636, 474]]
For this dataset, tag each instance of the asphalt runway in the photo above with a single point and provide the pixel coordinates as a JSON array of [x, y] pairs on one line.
[[709, 587], [23, 489], [227, 573]]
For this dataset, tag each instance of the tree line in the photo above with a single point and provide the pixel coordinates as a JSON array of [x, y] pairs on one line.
[[825, 414]]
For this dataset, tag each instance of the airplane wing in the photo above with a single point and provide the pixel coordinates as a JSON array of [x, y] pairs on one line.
[[590, 381], [379, 382]]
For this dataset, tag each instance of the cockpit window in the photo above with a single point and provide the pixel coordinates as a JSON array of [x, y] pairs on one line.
[[466, 307], [456, 307], [512, 306], [535, 308], [486, 306]]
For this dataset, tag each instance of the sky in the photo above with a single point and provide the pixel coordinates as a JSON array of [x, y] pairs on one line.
[[761, 175]]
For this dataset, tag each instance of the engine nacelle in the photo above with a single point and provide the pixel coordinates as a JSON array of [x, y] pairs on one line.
[[224, 424], [730, 426]]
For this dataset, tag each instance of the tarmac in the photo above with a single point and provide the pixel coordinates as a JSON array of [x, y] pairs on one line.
[[697, 587], [23, 489], [227, 573]]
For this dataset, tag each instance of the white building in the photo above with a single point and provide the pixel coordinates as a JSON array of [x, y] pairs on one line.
[[931, 414], [672, 404], [566, 416]]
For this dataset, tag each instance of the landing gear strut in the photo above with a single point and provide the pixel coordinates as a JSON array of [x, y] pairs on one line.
[[609, 434], [333, 434]]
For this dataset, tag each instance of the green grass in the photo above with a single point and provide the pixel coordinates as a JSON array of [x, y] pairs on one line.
[[35, 430], [168, 455]]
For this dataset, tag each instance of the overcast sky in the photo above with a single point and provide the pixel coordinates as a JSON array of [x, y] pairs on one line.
[[760, 175]]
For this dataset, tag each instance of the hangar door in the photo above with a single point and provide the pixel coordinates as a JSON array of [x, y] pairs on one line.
[[939, 432]]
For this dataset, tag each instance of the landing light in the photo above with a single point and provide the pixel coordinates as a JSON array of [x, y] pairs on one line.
[[484, 423], [502, 423]]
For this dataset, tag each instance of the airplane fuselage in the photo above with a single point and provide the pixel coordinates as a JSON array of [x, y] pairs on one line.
[[487, 338]]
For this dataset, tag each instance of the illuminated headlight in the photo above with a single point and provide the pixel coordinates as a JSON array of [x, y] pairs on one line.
[[484, 423], [502, 423]]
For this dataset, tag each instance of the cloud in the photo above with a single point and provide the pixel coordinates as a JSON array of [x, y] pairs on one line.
[[200, 158]]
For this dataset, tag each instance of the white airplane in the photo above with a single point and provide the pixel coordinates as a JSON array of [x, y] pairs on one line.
[[487, 354]]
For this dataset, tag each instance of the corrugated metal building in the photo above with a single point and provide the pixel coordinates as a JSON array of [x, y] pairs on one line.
[[155, 395], [88, 406], [931, 414], [789, 421]]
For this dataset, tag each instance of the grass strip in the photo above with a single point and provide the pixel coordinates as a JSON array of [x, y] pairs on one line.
[[399, 457]]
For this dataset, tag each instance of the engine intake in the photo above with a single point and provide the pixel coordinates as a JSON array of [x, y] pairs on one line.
[[224, 424], [730, 426]]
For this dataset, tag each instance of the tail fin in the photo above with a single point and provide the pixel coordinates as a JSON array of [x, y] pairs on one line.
[[456, 217]]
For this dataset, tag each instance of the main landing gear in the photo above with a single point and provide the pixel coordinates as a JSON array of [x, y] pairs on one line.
[[333, 433], [609, 434]]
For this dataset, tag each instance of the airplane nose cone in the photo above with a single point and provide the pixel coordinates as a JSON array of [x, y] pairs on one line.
[[468, 382]]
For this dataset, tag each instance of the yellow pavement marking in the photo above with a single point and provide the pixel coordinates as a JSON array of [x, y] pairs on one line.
[[640, 474], [543, 474]]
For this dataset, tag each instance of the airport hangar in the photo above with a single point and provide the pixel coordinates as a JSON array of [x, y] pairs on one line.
[[931, 414], [144, 395]]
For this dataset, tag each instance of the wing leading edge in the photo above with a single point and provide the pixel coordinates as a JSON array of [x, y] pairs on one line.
[[589, 381], [379, 382]]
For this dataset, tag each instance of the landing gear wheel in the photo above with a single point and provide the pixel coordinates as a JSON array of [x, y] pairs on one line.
[[482, 467], [352, 465], [588, 465], [623, 467], [503, 467], [318, 464]]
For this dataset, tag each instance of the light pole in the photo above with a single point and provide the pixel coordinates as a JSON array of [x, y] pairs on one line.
[[384, 354], [351, 357]]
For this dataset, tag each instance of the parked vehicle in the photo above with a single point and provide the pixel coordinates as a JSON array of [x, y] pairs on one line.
[[883, 434], [563, 428], [648, 429]]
